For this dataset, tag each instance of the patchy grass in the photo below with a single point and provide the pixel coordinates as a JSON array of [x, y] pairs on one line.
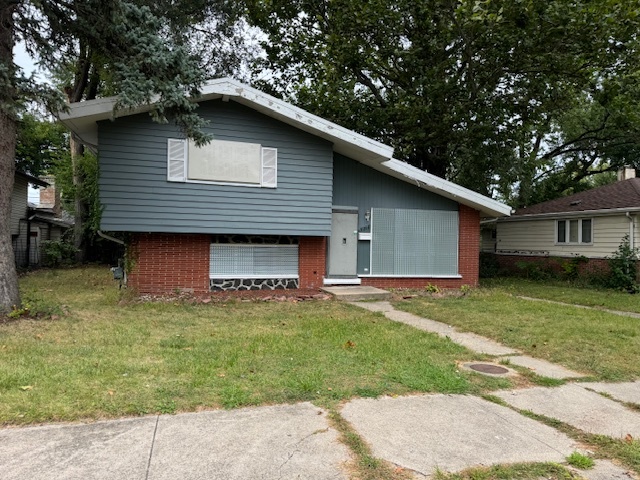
[[563, 291], [365, 465], [107, 360], [580, 461], [522, 471], [625, 452], [604, 345]]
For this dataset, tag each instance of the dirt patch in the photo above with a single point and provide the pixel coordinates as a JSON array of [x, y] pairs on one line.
[[292, 295]]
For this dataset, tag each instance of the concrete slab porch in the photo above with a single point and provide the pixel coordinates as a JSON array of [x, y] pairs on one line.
[[357, 293]]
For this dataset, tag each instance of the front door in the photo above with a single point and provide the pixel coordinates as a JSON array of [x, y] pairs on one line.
[[343, 245]]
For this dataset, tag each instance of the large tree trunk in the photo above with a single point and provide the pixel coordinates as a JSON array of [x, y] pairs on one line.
[[9, 294]]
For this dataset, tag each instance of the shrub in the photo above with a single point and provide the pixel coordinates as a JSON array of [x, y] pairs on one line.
[[623, 264], [489, 266], [57, 252], [571, 268]]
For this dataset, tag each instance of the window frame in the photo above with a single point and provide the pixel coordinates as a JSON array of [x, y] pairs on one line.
[[293, 250], [185, 177], [567, 231]]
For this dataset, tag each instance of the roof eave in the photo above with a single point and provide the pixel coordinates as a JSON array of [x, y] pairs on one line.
[[82, 118], [579, 213], [487, 206]]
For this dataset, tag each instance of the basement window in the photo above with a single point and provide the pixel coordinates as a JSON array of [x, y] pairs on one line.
[[233, 260], [574, 231]]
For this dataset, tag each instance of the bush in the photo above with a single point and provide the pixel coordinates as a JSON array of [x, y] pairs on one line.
[[623, 264], [489, 266], [571, 268], [57, 252]]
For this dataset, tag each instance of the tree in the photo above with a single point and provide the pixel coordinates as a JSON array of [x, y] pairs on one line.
[[474, 91], [133, 45]]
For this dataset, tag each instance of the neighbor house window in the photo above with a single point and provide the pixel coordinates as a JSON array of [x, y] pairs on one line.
[[220, 161], [574, 231]]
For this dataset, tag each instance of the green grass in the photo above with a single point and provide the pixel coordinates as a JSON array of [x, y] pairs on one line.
[[108, 359], [523, 471], [600, 344], [562, 291], [580, 461]]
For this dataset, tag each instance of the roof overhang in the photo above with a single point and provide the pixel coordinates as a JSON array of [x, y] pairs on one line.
[[581, 213], [82, 118], [487, 206], [32, 179]]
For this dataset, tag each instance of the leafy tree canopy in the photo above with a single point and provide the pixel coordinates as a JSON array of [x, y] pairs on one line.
[[497, 96]]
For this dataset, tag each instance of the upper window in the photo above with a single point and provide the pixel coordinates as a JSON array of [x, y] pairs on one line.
[[574, 231], [235, 163]]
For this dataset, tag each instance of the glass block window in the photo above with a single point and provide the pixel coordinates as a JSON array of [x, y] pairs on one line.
[[414, 242], [253, 261]]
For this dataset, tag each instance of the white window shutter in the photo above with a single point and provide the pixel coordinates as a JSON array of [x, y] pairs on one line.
[[176, 159], [269, 167]]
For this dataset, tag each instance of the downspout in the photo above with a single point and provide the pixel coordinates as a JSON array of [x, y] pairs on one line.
[[119, 242], [110, 238], [631, 230]]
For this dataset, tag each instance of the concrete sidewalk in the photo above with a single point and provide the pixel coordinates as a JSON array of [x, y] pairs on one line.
[[275, 442], [420, 433]]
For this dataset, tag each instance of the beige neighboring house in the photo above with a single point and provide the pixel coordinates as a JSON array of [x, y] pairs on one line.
[[31, 224], [590, 224]]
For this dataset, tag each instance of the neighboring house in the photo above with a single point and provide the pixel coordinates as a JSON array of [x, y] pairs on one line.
[[32, 224], [588, 224], [279, 199]]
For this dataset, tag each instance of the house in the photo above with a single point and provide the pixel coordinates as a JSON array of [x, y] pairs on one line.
[[279, 199], [31, 224], [588, 224]]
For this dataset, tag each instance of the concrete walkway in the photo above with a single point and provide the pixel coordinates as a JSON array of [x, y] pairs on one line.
[[419, 433]]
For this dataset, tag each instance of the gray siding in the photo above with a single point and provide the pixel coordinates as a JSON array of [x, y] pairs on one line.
[[18, 204], [357, 185], [137, 197]]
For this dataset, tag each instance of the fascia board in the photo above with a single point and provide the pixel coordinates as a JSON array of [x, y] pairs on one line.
[[447, 189], [82, 117], [583, 213]]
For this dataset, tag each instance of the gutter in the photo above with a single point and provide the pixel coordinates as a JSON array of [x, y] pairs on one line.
[[581, 213]]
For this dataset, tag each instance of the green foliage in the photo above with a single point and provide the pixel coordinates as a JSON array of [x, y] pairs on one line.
[[87, 190], [580, 460], [571, 268], [57, 252], [497, 96], [489, 266], [40, 144], [534, 270], [431, 288], [623, 264]]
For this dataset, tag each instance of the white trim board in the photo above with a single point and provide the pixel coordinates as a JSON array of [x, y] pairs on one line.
[[341, 281]]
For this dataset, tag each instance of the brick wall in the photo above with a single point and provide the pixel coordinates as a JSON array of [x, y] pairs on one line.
[[468, 259], [514, 264], [312, 261], [164, 263]]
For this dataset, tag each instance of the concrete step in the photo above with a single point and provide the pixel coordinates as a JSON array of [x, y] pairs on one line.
[[357, 293]]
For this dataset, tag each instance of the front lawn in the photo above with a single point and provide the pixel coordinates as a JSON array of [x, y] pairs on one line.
[[562, 291], [597, 343], [104, 359]]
